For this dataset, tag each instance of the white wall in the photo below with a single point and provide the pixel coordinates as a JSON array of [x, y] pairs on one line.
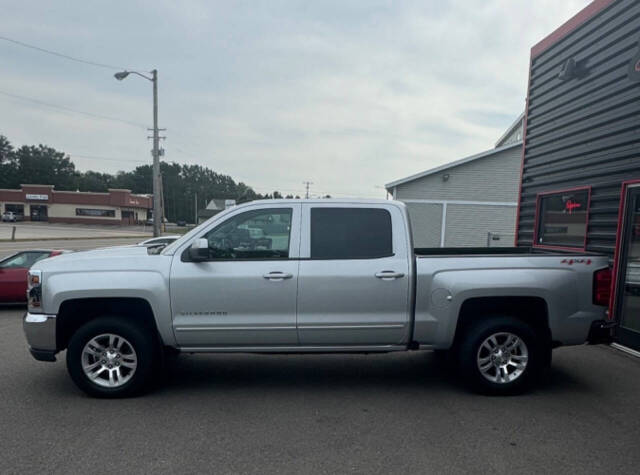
[[477, 198]]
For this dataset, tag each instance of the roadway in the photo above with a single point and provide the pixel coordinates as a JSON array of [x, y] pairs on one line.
[[10, 247], [397, 413], [44, 230]]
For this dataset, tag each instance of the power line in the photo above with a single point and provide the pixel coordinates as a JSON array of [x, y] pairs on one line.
[[109, 159], [68, 109], [90, 114], [61, 55]]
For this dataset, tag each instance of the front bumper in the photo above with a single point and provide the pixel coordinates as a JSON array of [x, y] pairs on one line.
[[40, 331]]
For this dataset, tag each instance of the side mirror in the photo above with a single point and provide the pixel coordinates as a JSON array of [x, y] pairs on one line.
[[199, 250]]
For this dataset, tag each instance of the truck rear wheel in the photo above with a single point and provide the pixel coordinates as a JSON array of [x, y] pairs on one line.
[[111, 357], [501, 355]]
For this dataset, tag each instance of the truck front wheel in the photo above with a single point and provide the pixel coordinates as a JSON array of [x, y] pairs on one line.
[[501, 355], [112, 357]]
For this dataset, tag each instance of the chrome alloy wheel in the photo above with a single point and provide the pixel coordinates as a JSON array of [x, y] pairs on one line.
[[109, 360], [502, 357]]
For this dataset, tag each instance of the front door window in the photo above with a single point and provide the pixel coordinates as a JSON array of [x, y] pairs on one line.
[[259, 234]]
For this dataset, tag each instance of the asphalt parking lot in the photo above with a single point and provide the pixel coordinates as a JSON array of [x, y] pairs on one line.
[[42, 230], [400, 413]]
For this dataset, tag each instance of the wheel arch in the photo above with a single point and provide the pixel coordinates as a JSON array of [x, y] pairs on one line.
[[533, 311], [74, 313]]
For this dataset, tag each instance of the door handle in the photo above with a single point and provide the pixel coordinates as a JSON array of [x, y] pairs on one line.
[[277, 276], [389, 275]]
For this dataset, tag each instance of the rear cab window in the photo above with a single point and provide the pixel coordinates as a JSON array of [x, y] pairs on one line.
[[350, 233]]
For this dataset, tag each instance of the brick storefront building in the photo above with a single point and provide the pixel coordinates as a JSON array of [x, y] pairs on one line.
[[43, 203]]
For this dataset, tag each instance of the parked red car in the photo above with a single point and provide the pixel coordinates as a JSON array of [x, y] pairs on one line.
[[13, 273]]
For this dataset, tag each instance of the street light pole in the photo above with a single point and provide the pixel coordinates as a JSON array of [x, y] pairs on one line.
[[157, 213]]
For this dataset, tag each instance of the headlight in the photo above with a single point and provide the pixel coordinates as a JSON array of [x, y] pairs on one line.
[[34, 291]]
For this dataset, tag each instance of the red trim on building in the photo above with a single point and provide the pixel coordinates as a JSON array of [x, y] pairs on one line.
[[72, 197], [537, 219], [616, 256], [570, 25], [11, 195]]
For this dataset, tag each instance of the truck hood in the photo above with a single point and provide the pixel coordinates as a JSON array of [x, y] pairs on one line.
[[111, 251], [108, 258]]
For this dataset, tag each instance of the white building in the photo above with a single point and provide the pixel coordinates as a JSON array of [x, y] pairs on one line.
[[470, 202]]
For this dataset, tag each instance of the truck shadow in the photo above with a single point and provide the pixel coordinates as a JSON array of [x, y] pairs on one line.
[[423, 371]]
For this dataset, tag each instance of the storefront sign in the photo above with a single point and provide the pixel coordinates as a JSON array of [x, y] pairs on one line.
[[37, 197], [570, 205]]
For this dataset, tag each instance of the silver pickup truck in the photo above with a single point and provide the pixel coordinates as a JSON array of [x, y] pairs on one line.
[[311, 276]]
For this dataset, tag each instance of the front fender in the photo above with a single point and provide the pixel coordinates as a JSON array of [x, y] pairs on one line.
[[148, 285]]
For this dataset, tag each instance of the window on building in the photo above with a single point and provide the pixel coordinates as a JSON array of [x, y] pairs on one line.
[[15, 209], [562, 218], [103, 213], [350, 233], [258, 234]]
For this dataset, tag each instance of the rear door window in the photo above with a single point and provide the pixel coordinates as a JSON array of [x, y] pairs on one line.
[[350, 233]]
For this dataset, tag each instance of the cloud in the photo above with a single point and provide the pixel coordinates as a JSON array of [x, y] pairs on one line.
[[349, 95]]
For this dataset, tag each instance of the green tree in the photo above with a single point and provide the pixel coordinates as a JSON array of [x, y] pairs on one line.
[[6, 170], [41, 165], [6, 149], [181, 183], [95, 181]]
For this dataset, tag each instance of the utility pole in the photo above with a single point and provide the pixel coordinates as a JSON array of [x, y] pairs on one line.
[[157, 214], [196, 209], [307, 185], [162, 210]]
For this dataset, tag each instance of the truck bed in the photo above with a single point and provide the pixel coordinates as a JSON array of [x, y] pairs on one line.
[[483, 279]]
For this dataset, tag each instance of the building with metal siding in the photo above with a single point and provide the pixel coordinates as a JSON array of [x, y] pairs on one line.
[[584, 130], [582, 141], [470, 202]]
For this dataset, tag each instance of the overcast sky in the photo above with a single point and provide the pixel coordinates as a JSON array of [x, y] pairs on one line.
[[347, 94]]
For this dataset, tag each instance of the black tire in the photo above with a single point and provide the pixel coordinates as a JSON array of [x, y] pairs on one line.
[[469, 354], [140, 338]]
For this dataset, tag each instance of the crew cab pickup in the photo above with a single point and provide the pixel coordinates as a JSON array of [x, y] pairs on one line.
[[294, 276]]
